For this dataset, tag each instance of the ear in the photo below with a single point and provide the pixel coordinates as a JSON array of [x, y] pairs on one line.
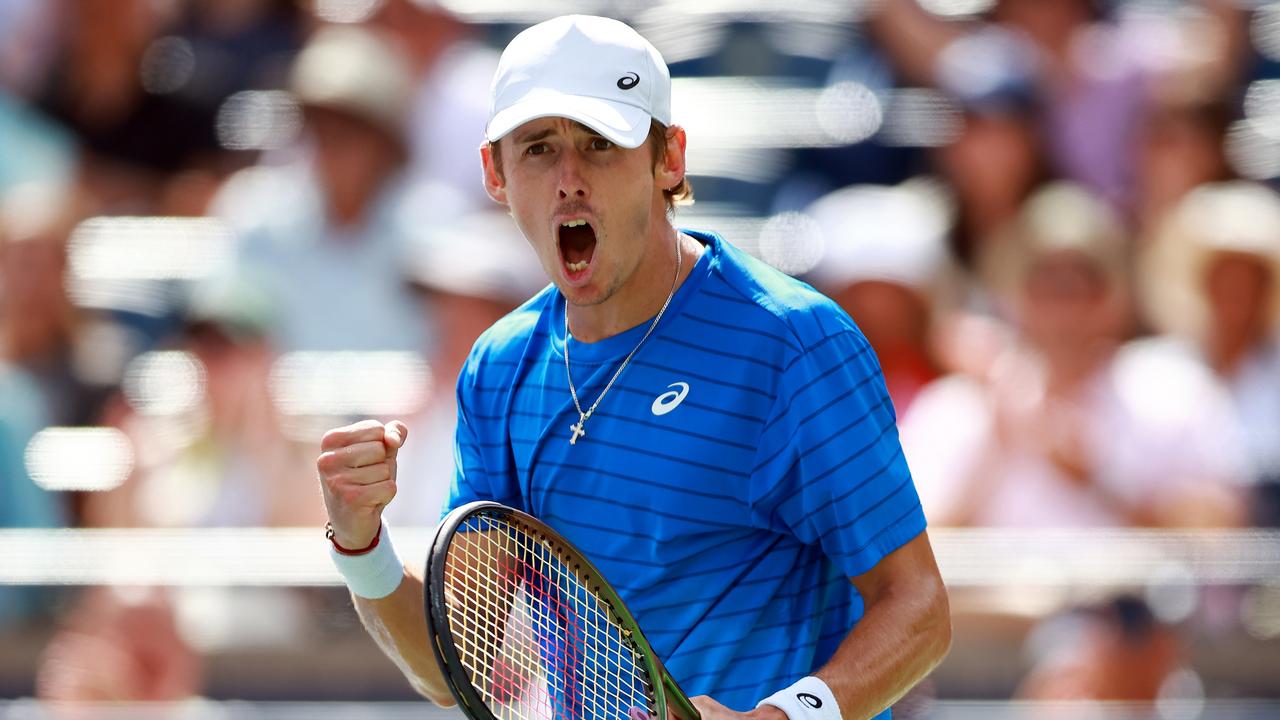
[[670, 169], [494, 184]]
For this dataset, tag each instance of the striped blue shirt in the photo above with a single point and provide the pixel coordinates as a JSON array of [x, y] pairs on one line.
[[742, 468]]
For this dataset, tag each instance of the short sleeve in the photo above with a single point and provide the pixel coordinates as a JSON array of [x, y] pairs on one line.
[[830, 469], [469, 479], [477, 475]]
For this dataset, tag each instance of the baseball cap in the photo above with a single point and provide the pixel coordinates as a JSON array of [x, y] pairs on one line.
[[597, 71]]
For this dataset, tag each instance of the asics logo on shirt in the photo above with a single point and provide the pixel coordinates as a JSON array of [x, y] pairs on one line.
[[671, 399]]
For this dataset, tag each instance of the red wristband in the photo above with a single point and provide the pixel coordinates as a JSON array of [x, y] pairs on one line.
[[329, 533]]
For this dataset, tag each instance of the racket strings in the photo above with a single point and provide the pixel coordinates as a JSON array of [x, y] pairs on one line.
[[490, 621], [537, 641], [489, 644], [501, 654]]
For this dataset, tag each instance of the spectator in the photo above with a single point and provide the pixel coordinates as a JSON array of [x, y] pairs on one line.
[[39, 325], [322, 234], [222, 462], [119, 646], [1093, 69], [1213, 280], [993, 165], [1072, 426], [884, 263], [36, 149], [501, 272], [34, 330], [22, 415], [139, 84], [1116, 651], [451, 70], [231, 463], [1180, 147]]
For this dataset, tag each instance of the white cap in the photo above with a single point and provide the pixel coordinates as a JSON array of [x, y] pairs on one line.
[[1237, 217], [356, 71], [594, 70], [497, 263], [894, 234]]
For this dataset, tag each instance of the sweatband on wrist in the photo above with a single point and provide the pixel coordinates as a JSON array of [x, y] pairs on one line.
[[807, 699], [375, 574]]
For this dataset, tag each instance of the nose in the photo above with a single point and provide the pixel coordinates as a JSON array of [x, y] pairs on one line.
[[571, 182]]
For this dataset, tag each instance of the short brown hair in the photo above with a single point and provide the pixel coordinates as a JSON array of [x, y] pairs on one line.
[[681, 194]]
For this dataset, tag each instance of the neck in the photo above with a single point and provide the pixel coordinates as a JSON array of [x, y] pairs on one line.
[[1068, 370], [642, 295]]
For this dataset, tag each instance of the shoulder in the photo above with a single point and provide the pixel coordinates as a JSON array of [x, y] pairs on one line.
[[1169, 419], [773, 301], [269, 203], [1161, 361], [1165, 380], [499, 349], [21, 402]]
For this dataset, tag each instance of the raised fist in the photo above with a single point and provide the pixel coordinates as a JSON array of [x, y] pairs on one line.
[[357, 467]]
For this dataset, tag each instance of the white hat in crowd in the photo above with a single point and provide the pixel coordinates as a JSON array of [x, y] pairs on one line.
[[1238, 217], [894, 234], [355, 71], [497, 262], [1061, 217]]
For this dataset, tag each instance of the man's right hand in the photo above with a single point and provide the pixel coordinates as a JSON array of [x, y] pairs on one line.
[[357, 466]]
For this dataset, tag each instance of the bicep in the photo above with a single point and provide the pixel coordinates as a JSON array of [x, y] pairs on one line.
[[911, 570]]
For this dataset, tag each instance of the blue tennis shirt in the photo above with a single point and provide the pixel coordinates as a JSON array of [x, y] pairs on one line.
[[744, 466]]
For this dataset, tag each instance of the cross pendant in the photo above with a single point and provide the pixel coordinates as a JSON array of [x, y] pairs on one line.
[[578, 431]]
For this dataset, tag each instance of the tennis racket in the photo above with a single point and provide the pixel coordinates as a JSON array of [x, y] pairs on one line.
[[525, 628]]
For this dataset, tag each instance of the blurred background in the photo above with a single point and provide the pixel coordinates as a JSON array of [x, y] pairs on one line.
[[227, 225]]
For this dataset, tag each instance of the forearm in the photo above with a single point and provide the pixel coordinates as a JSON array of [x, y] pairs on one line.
[[357, 471], [398, 624], [912, 37], [896, 644]]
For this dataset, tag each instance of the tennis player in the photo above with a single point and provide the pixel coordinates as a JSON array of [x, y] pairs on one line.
[[713, 434]]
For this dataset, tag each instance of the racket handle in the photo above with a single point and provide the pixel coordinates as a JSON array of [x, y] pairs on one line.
[[679, 706]]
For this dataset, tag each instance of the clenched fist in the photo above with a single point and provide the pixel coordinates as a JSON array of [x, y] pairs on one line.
[[357, 467]]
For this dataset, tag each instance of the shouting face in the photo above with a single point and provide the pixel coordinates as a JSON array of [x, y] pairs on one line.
[[588, 206]]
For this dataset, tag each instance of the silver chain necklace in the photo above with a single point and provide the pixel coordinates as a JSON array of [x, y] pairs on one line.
[[578, 428]]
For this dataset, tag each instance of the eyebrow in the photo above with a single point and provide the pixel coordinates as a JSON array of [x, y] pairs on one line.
[[534, 136], [544, 133]]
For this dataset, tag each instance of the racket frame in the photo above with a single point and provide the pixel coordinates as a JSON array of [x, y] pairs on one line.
[[665, 689]]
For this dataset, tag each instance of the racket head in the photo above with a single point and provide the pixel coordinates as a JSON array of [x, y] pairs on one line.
[[505, 594]]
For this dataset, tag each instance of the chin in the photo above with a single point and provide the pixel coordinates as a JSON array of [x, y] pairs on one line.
[[584, 296]]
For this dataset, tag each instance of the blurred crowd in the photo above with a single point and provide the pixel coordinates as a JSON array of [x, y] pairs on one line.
[[226, 225]]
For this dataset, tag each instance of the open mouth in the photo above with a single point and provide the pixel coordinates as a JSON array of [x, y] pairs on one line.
[[577, 246]]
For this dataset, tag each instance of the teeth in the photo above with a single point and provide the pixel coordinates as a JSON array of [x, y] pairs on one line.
[[577, 267], [573, 223]]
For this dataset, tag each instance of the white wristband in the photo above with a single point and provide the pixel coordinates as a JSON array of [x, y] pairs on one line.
[[375, 574], [807, 699]]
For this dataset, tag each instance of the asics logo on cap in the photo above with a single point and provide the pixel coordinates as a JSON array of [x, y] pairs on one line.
[[562, 67]]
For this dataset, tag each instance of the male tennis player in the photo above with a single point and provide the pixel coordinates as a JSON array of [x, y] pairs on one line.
[[713, 434]]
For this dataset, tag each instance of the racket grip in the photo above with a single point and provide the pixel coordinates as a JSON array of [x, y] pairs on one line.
[[678, 704]]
